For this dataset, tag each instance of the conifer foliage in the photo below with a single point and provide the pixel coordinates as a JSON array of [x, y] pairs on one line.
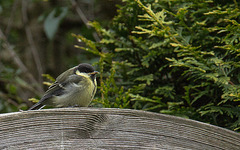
[[175, 57]]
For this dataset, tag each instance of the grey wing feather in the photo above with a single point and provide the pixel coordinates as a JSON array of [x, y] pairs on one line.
[[62, 77], [56, 89]]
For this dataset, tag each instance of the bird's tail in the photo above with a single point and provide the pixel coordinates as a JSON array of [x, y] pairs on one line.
[[37, 106]]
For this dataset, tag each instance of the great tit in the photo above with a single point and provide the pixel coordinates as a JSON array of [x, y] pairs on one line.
[[74, 87]]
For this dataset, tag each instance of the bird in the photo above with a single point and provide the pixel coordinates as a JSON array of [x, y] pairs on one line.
[[74, 87]]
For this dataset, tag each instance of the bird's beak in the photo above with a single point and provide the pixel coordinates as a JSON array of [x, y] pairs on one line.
[[94, 72]]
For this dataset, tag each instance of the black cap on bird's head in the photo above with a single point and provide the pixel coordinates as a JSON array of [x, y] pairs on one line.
[[86, 68]]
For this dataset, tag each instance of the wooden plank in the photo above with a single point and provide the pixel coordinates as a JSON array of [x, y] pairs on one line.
[[102, 128]]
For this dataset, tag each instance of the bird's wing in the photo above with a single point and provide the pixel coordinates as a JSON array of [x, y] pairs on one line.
[[56, 89], [62, 77]]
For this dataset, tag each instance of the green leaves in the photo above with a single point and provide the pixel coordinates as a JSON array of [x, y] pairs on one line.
[[146, 78], [179, 58], [53, 20]]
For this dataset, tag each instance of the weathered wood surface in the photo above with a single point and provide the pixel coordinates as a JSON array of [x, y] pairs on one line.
[[91, 128]]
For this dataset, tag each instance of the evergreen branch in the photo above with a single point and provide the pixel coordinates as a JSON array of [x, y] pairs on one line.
[[153, 15]]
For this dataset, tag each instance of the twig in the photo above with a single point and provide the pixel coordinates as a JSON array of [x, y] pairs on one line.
[[84, 18], [31, 41], [80, 13], [18, 61]]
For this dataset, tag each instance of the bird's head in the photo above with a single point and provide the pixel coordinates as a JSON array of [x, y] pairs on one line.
[[85, 69]]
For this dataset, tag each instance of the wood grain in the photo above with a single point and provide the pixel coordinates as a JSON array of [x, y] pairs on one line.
[[94, 128]]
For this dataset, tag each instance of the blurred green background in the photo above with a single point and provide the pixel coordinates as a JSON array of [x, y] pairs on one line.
[[35, 38], [177, 57]]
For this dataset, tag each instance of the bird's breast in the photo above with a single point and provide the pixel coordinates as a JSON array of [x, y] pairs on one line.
[[80, 94]]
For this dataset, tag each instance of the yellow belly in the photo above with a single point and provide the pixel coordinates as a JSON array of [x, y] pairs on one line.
[[76, 94]]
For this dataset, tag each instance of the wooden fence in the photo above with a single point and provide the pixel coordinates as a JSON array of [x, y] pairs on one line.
[[101, 128]]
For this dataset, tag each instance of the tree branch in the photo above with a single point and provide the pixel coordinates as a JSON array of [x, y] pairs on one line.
[[18, 61], [84, 19], [31, 41]]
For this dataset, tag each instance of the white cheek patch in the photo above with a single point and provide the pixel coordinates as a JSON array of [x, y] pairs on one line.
[[82, 74]]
